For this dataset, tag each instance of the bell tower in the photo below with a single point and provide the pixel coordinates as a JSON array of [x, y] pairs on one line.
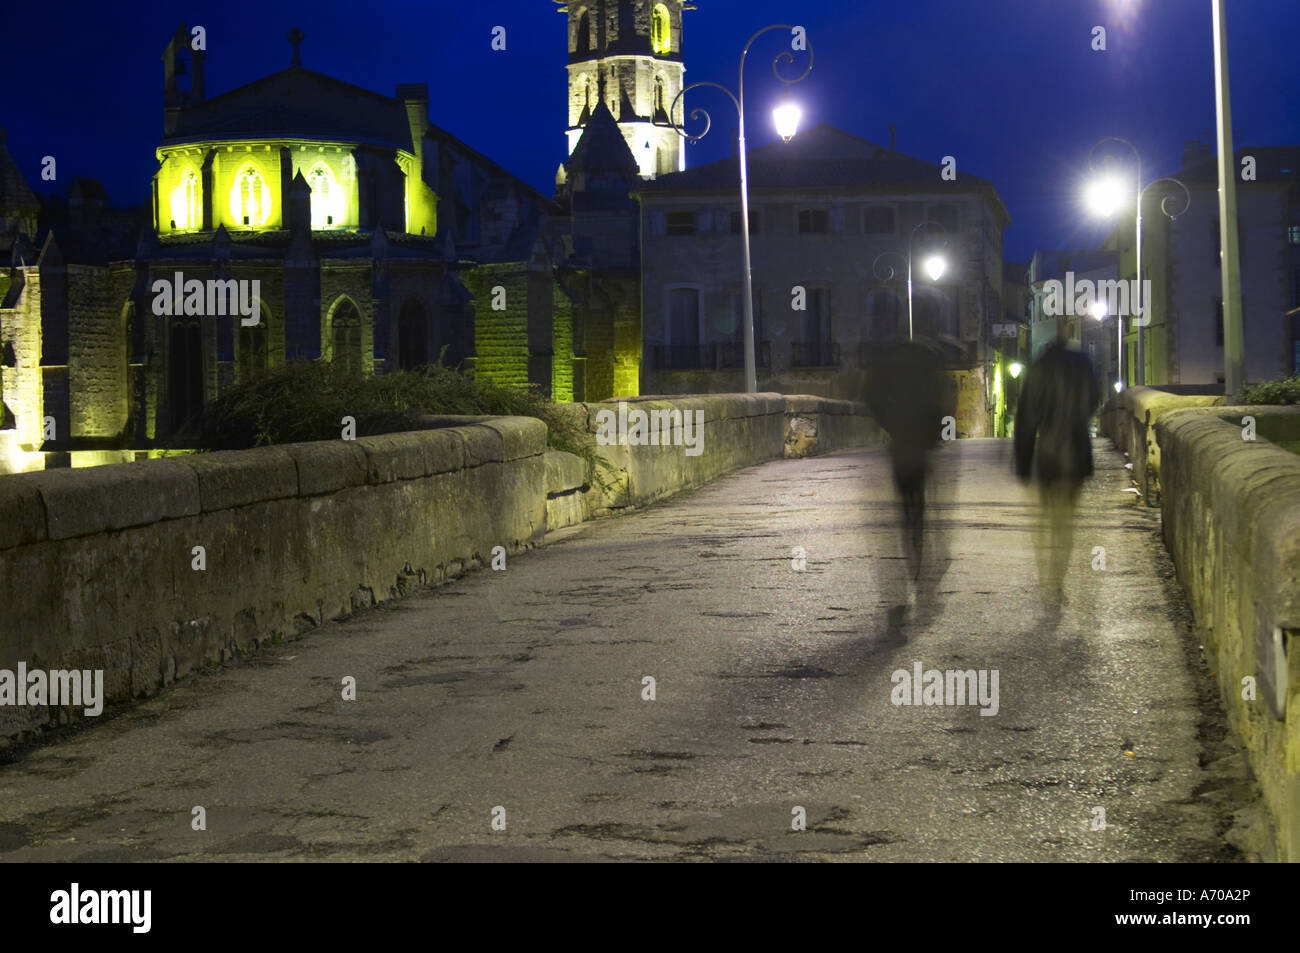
[[628, 54]]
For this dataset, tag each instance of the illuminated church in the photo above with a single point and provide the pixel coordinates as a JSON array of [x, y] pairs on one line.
[[378, 240]]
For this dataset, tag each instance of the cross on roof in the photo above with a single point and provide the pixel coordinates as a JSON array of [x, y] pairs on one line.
[[295, 37]]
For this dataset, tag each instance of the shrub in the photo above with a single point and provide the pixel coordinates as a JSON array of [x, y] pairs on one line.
[[306, 400], [1284, 391]]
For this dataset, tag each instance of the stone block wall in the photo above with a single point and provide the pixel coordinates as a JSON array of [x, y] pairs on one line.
[[99, 391], [1230, 511], [97, 566], [500, 337]]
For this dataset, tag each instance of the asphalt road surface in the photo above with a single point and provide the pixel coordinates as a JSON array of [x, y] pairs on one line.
[[517, 699]]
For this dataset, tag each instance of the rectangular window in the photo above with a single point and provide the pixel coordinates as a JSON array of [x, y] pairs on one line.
[[754, 217], [1293, 234], [814, 317], [1218, 321], [681, 223], [813, 221], [878, 220], [684, 317]]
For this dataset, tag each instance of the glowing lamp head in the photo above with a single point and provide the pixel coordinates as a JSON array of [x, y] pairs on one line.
[[1106, 195], [1015, 368], [786, 117], [1098, 310], [1119, 386], [934, 267]]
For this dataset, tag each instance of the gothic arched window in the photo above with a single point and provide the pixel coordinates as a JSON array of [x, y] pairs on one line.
[[583, 39], [251, 356], [185, 202], [346, 330], [250, 198], [660, 30], [325, 197]]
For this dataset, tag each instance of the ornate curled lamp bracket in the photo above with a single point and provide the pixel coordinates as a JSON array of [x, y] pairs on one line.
[[785, 56], [920, 225], [1092, 153], [889, 275], [1174, 196], [697, 112]]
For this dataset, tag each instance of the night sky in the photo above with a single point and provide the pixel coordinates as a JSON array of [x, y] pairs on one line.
[[1011, 88]]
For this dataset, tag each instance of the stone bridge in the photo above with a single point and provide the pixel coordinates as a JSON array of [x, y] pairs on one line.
[[456, 644]]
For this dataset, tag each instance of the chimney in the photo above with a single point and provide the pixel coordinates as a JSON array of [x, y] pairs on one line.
[[893, 137], [1195, 151]]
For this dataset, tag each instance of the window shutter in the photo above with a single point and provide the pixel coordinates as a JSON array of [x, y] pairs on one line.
[[837, 219], [658, 224]]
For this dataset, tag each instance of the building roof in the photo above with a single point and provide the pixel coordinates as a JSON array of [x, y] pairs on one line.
[[823, 157], [602, 147], [296, 103], [1277, 164]]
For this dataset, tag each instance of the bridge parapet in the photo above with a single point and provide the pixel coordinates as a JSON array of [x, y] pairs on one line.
[[1230, 508], [149, 571]]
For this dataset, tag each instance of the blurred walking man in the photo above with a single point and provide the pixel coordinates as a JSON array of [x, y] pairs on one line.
[[1052, 444], [906, 396]]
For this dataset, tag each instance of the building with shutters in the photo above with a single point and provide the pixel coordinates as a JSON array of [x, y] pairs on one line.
[[824, 208]]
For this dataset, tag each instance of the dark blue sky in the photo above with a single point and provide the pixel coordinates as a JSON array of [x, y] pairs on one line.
[[1009, 87]]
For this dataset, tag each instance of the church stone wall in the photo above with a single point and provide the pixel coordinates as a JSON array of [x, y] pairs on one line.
[[20, 329], [561, 345], [500, 337], [99, 393]]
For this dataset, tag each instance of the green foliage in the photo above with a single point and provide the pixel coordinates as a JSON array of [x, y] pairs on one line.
[[307, 400], [1284, 391]]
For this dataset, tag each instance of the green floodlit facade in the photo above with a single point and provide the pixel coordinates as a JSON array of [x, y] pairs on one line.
[[237, 185]]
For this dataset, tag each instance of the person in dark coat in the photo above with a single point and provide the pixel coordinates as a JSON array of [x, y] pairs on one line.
[[1052, 445], [906, 393]]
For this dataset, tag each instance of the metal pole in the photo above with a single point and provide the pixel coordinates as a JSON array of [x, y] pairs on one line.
[[751, 377], [1119, 354], [1141, 311], [909, 287], [751, 381], [1234, 364]]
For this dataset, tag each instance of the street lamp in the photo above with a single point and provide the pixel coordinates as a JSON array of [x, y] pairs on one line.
[[934, 266], [1106, 195], [1015, 368], [786, 118]]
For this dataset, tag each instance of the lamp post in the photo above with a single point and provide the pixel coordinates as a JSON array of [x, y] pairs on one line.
[[1106, 195], [786, 117], [934, 267], [1234, 360]]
